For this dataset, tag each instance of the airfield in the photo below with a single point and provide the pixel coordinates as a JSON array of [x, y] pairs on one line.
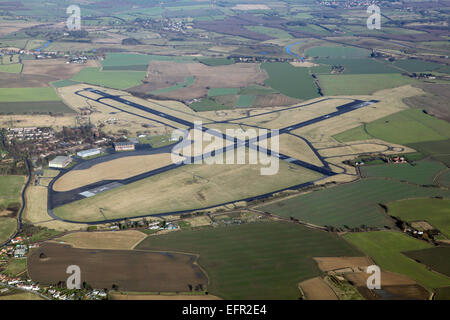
[[98, 191]]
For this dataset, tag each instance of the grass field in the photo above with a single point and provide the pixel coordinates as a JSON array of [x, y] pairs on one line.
[[189, 81], [386, 247], [245, 101], [359, 66], [207, 104], [7, 227], [360, 84], [435, 258], [10, 188], [120, 168], [215, 61], [63, 83], [442, 293], [136, 62], [421, 172], [414, 65], [197, 186], [337, 52], [110, 79], [263, 260], [118, 240], [11, 68], [434, 211], [214, 92], [16, 267], [34, 107], [351, 205], [404, 127], [438, 149], [28, 94], [290, 81]]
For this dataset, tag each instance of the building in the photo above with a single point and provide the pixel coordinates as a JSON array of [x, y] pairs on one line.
[[123, 146], [88, 153], [60, 162]]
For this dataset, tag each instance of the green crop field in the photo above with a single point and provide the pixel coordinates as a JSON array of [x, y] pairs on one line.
[[414, 65], [214, 92], [28, 94], [421, 172], [337, 52], [351, 205], [207, 104], [435, 211], [110, 79], [438, 149], [136, 62], [188, 81], [63, 83], [7, 227], [215, 61], [404, 127], [433, 257], [359, 66], [264, 260], [386, 247], [245, 101], [444, 179], [291, 81], [360, 84], [256, 90], [11, 68]]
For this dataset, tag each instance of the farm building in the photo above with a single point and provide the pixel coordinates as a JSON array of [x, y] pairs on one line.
[[88, 153], [123, 146], [60, 162]]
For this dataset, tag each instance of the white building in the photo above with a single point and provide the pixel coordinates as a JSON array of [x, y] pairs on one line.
[[60, 162], [88, 153]]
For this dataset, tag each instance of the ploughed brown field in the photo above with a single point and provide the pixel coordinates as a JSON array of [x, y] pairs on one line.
[[130, 270]]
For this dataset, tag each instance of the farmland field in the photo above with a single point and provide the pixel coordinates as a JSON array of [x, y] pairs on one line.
[[11, 68], [421, 172], [290, 81], [434, 211], [34, 107], [351, 205], [404, 127], [10, 188], [8, 226], [197, 186], [110, 79], [263, 260], [140, 271], [360, 66], [386, 248], [337, 52], [359, 84], [436, 258], [27, 94]]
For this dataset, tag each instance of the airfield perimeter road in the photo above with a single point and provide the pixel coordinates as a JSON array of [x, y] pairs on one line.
[[56, 199]]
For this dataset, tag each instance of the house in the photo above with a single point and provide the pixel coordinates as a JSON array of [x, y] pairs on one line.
[[124, 146], [60, 162]]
